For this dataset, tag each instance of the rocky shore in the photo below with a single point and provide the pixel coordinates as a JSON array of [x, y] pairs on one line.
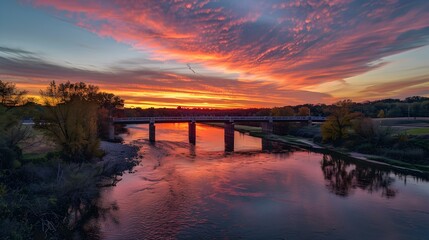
[[118, 157], [118, 151]]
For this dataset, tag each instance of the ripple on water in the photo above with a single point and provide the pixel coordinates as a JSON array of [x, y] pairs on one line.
[[180, 191]]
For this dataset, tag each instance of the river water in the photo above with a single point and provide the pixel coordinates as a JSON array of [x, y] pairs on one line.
[[179, 191]]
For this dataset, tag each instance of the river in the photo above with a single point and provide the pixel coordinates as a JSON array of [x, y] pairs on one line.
[[179, 191]]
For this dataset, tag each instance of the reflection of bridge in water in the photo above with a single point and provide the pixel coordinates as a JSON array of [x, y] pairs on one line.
[[266, 124]]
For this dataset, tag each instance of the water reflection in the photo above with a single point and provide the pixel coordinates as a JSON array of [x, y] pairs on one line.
[[91, 229], [181, 191], [343, 177]]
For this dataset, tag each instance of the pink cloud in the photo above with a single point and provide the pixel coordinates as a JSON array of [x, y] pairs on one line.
[[297, 43]]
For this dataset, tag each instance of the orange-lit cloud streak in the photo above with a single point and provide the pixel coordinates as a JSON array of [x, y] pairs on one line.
[[280, 47], [296, 42], [149, 88]]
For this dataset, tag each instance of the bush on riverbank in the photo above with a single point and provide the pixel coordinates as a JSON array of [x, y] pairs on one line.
[[48, 198], [48, 195]]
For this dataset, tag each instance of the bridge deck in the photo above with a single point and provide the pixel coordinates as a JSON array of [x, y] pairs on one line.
[[218, 119]]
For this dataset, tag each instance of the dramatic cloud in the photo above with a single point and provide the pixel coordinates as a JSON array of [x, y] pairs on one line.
[[146, 87], [292, 42], [223, 53]]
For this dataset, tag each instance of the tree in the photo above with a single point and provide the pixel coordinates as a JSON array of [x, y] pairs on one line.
[[106, 103], [9, 95], [12, 132], [338, 123], [381, 114], [365, 128], [66, 92], [425, 109], [70, 118], [282, 111], [303, 111]]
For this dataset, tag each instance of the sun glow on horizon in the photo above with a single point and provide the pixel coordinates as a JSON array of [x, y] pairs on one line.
[[218, 54]]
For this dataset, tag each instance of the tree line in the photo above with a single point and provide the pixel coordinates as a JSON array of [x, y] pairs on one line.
[[415, 106]]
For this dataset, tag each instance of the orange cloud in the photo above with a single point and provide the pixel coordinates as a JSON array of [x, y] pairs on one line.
[[292, 42], [252, 53], [151, 88]]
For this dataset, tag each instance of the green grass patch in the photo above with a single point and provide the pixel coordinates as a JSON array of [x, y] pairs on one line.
[[399, 121], [399, 163], [240, 128], [418, 131], [247, 128]]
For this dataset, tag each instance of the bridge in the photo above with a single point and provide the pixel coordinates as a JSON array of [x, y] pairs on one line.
[[266, 124]]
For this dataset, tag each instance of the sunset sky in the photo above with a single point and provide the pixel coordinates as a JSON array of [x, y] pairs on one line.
[[220, 53]]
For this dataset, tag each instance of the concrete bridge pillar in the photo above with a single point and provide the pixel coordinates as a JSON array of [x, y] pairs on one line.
[[267, 145], [267, 127], [310, 121], [111, 130], [229, 137], [192, 132], [152, 132]]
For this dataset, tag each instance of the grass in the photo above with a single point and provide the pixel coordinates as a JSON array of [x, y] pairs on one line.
[[297, 141], [38, 144], [401, 121], [240, 128], [399, 163], [418, 131], [257, 132]]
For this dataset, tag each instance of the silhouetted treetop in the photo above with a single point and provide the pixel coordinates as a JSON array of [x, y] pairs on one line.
[[10, 95], [66, 92]]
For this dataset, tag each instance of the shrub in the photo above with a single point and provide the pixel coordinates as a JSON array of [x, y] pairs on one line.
[[409, 155], [366, 148]]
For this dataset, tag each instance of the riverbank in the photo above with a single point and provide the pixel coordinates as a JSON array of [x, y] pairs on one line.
[[117, 159], [309, 144], [116, 152], [69, 191]]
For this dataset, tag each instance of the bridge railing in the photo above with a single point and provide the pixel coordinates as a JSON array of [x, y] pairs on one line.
[[218, 118]]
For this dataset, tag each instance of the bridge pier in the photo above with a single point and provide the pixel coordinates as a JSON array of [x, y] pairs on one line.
[[192, 135], [267, 127], [111, 131], [229, 136], [152, 132], [267, 145]]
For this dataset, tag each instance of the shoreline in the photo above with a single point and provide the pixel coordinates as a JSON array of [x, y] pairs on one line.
[[118, 158], [310, 145], [116, 151]]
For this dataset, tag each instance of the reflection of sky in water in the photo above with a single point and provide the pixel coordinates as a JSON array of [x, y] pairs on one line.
[[293, 195], [208, 138]]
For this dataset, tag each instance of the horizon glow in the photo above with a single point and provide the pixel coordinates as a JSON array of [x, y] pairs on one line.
[[220, 53]]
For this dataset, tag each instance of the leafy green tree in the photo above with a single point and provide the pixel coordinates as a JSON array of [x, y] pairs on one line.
[[381, 114]]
